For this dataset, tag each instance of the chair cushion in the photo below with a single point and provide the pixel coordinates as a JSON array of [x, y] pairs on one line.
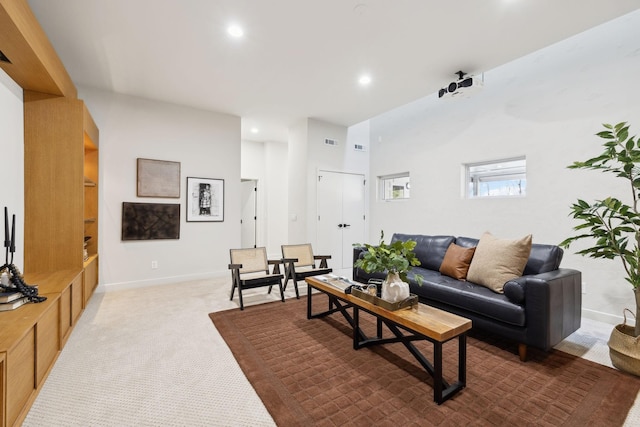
[[303, 272], [456, 261], [497, 261]]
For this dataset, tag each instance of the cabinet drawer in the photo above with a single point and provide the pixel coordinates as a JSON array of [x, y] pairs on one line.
[[90, 279], [65, 313], [47, 342], [76, 299], [20, 375]]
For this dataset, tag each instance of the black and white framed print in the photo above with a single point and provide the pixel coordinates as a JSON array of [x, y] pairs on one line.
[[205, 199]]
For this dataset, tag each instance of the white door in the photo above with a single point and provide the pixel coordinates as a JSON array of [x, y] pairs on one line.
[[340, 216], [248, 219]]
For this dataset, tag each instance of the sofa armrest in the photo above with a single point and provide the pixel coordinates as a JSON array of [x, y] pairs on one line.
[[358, 274], [553, 305], [514, 289]]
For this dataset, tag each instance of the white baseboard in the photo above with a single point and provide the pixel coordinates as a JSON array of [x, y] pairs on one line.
[[605, 317], [109, 287]]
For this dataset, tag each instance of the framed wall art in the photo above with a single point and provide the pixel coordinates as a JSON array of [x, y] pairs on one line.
[[158, 178], [150, 221], [205, 199]]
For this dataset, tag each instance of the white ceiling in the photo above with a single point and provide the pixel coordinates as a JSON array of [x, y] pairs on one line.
[[301, 58]]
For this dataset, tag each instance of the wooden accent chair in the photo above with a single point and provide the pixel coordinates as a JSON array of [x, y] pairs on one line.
[[299, 263], [250, 269]]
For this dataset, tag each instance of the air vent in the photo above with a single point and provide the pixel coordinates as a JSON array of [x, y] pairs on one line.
[[329, 141], [359, 147], [4, 58]]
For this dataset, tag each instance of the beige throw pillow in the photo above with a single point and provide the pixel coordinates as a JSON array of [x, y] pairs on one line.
[[456, 261], [496, 261]]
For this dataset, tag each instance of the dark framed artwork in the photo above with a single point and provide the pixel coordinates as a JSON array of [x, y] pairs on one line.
[[150, 221], [205, 199], [158, 178]]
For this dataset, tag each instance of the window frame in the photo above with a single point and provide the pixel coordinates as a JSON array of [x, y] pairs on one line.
[[383, 179], [470, 186]]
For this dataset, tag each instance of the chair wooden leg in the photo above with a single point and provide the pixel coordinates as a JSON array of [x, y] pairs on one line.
[[286, 280], [281, 290], [233, 288], [522, 352], [295, 285], [240, 296]]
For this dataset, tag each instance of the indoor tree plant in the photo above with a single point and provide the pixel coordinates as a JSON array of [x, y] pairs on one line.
[[394, 259], [612, 224]]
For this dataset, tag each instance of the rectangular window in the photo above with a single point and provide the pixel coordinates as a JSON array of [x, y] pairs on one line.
[[394, 187], [499, 178]]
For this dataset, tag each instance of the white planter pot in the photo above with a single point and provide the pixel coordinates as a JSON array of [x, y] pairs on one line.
[[394, 289]]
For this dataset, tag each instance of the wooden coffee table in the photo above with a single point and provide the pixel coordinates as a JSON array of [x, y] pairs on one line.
[[407, 325]]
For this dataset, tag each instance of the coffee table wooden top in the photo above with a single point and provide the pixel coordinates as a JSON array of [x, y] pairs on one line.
[[429, 321]]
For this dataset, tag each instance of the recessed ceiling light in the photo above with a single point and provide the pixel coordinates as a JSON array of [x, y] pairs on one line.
[[254, 130], [364, 80], [235, 31]]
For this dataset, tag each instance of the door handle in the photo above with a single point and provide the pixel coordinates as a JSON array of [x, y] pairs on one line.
[[340, 225], [346, 225]]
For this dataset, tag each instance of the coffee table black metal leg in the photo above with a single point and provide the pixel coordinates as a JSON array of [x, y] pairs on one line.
[[437, 372], [356, 327], [462, 360]]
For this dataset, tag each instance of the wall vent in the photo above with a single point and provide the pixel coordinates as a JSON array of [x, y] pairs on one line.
[[332, 142], [359, 147]]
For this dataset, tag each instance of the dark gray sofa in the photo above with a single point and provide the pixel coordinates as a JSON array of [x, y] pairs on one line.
[[539, 309]]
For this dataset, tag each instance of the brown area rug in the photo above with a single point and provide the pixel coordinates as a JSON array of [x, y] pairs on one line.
[[307, 374]]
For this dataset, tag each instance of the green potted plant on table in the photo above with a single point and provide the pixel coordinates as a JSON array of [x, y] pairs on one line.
[[394, 259], [614, 226]]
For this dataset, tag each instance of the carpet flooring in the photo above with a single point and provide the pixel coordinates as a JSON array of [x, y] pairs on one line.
[[307, 373]]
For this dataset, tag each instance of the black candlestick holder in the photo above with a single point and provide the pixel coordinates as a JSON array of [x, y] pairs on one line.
[[16, 279]]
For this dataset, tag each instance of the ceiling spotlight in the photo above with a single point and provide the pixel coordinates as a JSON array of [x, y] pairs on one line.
[[364, 80], [235, 31], [254, 130]]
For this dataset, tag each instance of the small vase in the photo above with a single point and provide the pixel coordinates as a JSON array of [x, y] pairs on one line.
[[394, 289]]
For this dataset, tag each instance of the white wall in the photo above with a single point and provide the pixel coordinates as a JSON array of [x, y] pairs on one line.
[[206, 144], [12, 165], [546, 106], [267, 163], [276, 196], [308, 154]]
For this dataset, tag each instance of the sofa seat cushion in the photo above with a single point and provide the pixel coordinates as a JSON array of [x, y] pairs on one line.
[[466, 295]]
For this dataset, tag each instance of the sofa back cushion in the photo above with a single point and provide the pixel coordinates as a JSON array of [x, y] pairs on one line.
[[429, 250], [497, 261], [542, 259], [456, 261]]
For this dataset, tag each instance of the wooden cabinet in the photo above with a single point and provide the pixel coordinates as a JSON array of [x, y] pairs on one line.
[[31, 338], [61, 208], [61, 183]]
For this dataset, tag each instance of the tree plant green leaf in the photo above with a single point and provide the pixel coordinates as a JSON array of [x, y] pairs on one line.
[[611, 224]]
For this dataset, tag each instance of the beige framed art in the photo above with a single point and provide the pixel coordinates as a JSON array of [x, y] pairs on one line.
[[158, 178]]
